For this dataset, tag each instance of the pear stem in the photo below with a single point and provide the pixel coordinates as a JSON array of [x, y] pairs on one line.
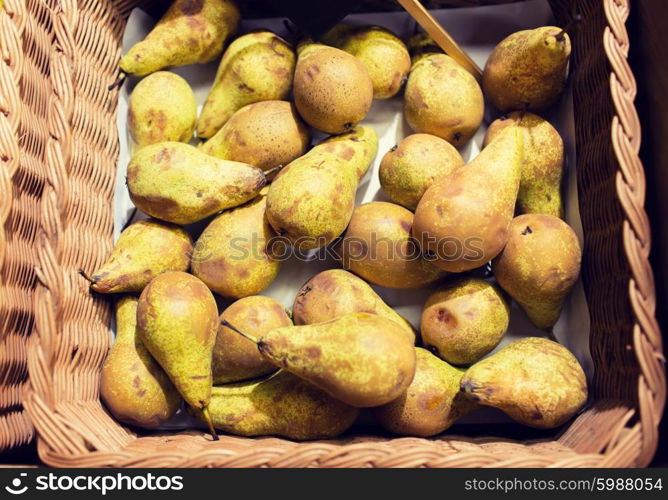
[[209, 423], [86, 277], [119, 81], [567, 29], [226, 323], [277, 168]]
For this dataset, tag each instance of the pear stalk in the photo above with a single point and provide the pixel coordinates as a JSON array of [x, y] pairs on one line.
[[227, 324], [209, 423]]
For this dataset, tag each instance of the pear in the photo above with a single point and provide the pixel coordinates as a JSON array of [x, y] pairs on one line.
[[191, 31], [266, 134], [462, 220], [539, 266], [464, 320], [258, 66], [378, 247], [144, 250], [385, 56], [410, 167], [162, 108], [178, 183], [132, 385], [360, 359], [332, 89], [443, 99], [527, 70], [233, 254], [236, 358], [542, 165], [535, 381], [177, 319], [281, 405], [334, 293], [311, 200], [432, 402]]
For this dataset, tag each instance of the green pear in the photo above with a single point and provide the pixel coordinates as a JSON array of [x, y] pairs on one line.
[[332, 89], [539, 266], [281, 405], [311, 200], [334, 293], [233, 254], [535, 381], [527, 70], [266, 134], [162, 108], [378, 247], [236, 358], [178, 183], [144, 250], [462, 220], [464, 320], [177, 318], [258, 66], [360, 359], [542, 164], [132, 385], [410, 167], [443, 99], [432, 402], [381, 51], [191, 31]]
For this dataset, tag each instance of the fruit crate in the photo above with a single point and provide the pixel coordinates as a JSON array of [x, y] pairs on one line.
[[59, 152]]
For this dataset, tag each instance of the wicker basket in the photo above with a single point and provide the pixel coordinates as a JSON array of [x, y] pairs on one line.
[[58, 155]]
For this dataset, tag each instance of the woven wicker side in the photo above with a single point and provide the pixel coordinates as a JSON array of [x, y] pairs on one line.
[[25, 35]]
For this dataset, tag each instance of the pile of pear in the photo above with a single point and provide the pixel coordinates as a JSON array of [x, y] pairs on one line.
[[217, 205]]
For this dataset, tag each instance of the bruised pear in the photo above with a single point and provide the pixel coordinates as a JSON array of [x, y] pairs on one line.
[[462, 220], [539, 266], [144, 250], [378, 247], [281, 405], [258, 66], [236, 358], [332, 89], [535, 381], [464, 320], [432, 402], [334, 293], [132, 384], [178, 183]]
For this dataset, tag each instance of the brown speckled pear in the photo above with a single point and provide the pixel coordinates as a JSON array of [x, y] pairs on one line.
[[236, 358], [332, 89], [432, 402], [528, 69], [310, 201], [178, 183], [132, 384], [334, 293], [539, 266], [462, 220], [265, 134], [191, 31], [443, 99], [381, 51], [258, 66], [535, 381], [162, 108], [378, 247], [464, 320], [542, 164], [232, 254], [144, 250], [410, 167], [177, 319], [281, 405], [361, 359]]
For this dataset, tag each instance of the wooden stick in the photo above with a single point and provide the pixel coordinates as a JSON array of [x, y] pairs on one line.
[[440, 36]]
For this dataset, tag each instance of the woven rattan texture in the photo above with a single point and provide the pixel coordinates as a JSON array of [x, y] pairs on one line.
[[71, 335]]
